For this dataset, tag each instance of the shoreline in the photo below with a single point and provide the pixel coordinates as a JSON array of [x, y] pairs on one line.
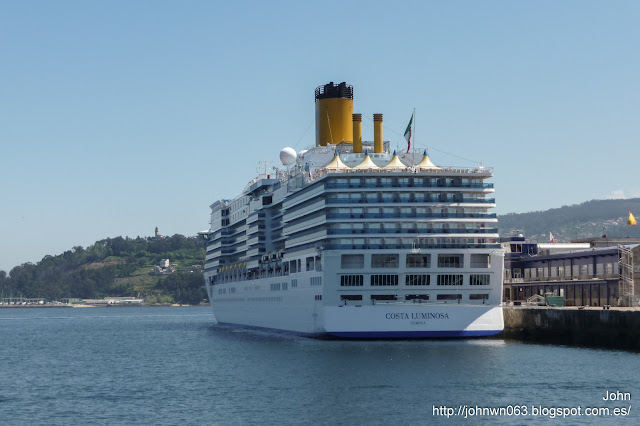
[[174, 305]]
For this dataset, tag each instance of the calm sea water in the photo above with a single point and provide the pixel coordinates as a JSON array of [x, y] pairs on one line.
[[174, 366]]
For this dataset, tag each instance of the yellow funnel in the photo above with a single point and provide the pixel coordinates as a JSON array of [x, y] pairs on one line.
[[357, 133], [334, 110], [378, 145]]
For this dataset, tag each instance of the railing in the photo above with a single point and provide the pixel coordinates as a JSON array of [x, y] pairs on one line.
[[383, 201], [412, 231], [330, 246], [321, 172], [412, 215], [338, 185], [360, 303], [564, 278]]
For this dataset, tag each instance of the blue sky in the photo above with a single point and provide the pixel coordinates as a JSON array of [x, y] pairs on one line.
[[120, 116]]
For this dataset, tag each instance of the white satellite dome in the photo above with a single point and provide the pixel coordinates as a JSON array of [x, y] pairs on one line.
[[288, 156]]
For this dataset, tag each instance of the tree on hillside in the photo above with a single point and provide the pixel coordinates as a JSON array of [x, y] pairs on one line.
[[185, 287]]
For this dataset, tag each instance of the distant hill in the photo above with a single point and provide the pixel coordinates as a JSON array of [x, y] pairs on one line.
[[577, 221], [114, 267]]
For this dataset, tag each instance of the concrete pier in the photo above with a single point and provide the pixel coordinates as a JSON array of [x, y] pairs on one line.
[[615, 328]]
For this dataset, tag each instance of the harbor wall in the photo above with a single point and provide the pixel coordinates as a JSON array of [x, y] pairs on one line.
[[604, 328]]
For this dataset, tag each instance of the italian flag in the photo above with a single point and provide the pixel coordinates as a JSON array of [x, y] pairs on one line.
[[407, 133]]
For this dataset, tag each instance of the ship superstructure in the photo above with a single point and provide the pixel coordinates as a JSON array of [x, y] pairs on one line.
[[352, 240]]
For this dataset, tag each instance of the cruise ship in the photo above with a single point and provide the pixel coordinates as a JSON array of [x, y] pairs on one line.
[[352, 240]]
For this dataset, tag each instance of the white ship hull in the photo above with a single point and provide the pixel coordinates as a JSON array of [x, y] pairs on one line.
[[300, 309], [407, 320], [291, 312], [372, 322]]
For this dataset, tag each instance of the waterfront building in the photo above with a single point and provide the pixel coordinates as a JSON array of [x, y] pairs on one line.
[[589, 272]]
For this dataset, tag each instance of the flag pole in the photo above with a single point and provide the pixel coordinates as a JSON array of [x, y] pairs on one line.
[[408, 134], [414, 136]]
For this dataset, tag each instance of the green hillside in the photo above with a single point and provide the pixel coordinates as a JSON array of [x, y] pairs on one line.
[[114, 267], [573, 222]]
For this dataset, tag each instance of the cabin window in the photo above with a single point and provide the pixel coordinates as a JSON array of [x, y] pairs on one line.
[[478, 296], [407, 227], [384, 280], [480, 260], [449, 297], [352, 261], [479, 279], [416, 297], [449, 279], [416, 279], [406, 211], [351, 280], [384, 297], [384, 260], [450, 261], [351, 297], [374, 228], [389, 228], [418, 260]]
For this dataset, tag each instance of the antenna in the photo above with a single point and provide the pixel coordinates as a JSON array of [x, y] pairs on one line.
[[264, 164]]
